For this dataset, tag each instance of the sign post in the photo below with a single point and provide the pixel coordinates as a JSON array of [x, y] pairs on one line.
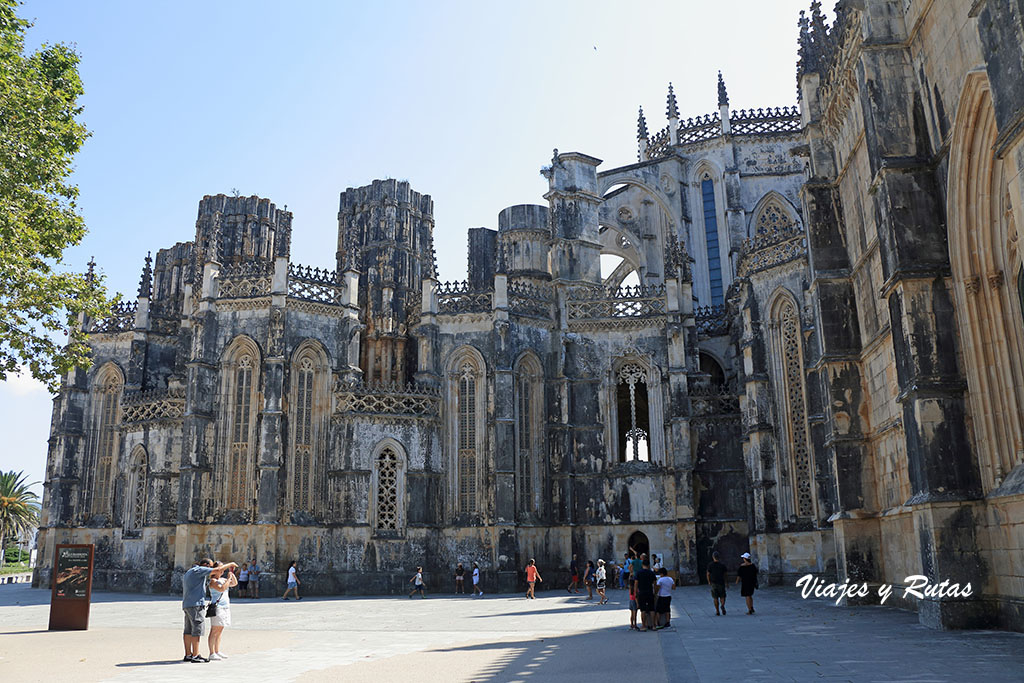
[[71, 589]]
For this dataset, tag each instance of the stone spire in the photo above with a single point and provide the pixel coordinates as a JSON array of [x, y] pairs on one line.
[[90, 274], [641, 136], [673, 109], [723, 105], [146, 281]]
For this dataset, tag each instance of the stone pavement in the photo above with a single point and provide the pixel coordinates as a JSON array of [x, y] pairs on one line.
[[501, 638]]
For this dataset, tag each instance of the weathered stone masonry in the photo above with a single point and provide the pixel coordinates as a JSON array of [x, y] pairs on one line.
[[796, 331]]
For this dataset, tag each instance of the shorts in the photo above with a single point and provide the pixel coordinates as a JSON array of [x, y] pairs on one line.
[[600, 585], [222, 618], [242, 585], [418, 587], [460, 579], [645, 602], [661, 606], [746, 591], [195, 620], [575, 578], [633, 606], [293, 584], [718, 590]]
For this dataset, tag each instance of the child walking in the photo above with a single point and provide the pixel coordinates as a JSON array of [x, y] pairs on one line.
[[532, 577], [417, 584]]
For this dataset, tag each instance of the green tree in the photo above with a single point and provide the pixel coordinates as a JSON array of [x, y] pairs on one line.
[[19, 507], [40, 301]]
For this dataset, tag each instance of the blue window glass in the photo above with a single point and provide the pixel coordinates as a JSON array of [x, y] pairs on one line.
[[707, 191]]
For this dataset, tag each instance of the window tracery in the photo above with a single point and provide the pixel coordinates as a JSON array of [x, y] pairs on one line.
[[135, 506], [772, 219], [303, 470], [387, 490], [633, 378], [107, 400], [467, 439], [529, 467], [794, 410], [241, 376]]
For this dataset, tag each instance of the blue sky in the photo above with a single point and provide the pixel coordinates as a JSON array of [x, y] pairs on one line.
[[297, 101]]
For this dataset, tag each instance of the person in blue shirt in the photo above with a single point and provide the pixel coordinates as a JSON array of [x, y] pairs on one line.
[[193, 603]]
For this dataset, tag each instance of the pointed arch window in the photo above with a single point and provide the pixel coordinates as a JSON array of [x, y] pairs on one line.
[[714, 254], [528, 387], [467, 453], [241, 381], [388, 495], [792, 404], [772, 218], [136, 496], [633, 413], [308, 412], [106, 402]]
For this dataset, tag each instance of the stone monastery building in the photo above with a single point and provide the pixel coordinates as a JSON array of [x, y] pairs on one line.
[[796, 331]]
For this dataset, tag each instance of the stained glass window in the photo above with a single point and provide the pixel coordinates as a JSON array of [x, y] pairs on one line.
[[707, 191]]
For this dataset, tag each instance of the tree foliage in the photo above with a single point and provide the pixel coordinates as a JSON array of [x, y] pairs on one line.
[[19, 506], [40, 301]]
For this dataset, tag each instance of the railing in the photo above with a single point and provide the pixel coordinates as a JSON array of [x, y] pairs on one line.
[[411, 400], [121, 318], [144, 406], [700, 128], [529, 300], [770, 250], [765, 121], [458, 297], [659, 143], [711, 320], [714, 400], [245, 280], [599, 303], [314, 284]]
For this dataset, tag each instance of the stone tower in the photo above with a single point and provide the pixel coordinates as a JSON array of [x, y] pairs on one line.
[[385, 230]]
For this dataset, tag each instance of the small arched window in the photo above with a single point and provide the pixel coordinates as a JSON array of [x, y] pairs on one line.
[[772, 218], [388, 496], [106, 400], [136, 495]]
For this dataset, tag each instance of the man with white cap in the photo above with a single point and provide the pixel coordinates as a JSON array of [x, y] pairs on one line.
[[746, 576]]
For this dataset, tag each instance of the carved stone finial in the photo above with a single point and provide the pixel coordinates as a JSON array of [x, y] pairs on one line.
[[641, 126], [673, 107], [90, 274], [723, 96], [146, 281]]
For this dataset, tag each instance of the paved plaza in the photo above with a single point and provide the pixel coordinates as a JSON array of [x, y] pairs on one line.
[[501, 638]]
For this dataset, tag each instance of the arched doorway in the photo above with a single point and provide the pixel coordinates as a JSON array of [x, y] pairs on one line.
[[638, 542]]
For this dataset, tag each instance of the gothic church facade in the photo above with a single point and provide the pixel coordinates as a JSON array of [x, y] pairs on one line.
[[797, 332]]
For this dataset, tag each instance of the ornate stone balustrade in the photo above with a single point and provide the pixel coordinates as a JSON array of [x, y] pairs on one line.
[[765, 121], [121, 319], [711, 320], [245, 280], [770, 250], [314, 284], [659, 143], [147, 406], [700, 128], [598, 307], [392, 400], [458, 297], [529, 300], [714, 400]]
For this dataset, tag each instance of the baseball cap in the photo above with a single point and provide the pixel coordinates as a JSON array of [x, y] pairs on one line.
[[746, 555]]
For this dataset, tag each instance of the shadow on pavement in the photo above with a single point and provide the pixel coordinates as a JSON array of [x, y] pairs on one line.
[[164, 663]]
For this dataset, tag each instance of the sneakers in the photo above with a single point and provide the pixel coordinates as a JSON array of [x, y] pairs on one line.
[[299, 598], [187, 658], [222, 655], [214, 657], [199, 659], [723, 610]]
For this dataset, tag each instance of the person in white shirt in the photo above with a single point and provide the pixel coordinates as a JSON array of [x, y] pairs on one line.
[[417, 584], [476, 580], [293, 582], [601, 575], [243, 581], [657, 564], [663, 610]]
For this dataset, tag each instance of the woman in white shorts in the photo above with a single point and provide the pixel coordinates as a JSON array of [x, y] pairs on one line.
[[219, 589]]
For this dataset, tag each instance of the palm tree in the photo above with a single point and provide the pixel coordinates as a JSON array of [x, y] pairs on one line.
[[19, 507]]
